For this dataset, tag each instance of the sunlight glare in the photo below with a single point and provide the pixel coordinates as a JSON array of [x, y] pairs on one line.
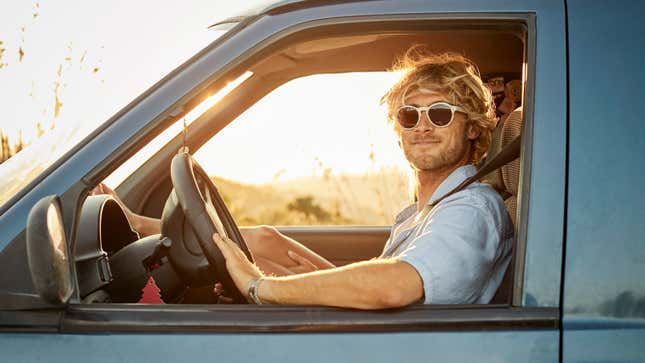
[[127, 168], [313, 125]]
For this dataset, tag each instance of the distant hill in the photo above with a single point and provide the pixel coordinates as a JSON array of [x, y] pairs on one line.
[[369, 199]]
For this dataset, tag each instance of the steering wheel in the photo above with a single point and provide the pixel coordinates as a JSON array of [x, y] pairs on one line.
[[206, 212]]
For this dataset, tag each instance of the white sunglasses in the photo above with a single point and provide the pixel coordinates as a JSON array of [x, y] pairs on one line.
[[439, 114]]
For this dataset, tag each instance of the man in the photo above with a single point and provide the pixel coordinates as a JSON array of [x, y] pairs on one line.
[[453, 251]]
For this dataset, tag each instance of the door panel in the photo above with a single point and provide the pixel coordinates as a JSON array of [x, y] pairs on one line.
[[494, 347], [341, 245], [604, 295]]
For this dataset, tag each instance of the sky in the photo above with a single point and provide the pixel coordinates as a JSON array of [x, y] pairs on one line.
[[302, 122], [73, 64], [95, 56]]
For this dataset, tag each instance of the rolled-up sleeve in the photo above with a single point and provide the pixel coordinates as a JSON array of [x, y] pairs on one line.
[[455, 252]]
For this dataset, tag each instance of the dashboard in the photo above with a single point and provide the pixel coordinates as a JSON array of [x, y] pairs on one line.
[[114, 263]]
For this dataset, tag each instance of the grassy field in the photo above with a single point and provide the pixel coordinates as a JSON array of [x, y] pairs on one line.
[[369, 199]]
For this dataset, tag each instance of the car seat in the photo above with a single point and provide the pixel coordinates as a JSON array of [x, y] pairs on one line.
[[506, 181]]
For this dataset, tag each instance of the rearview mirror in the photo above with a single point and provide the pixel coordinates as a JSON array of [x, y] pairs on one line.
[[47, 252]]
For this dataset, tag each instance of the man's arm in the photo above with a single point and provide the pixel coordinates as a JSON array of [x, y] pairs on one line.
[[283, 257], [375, 284], [274, 252], [146, 226]]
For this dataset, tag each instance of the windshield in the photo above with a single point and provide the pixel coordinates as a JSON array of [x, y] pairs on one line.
[[28, 164], [86, 112]]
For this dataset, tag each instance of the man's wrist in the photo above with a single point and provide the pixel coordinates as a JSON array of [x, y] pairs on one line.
[[145, 226], [135, 223], [253, 290], [266, 290]]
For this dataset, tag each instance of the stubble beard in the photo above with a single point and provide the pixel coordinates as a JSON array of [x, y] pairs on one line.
[[448, 157]]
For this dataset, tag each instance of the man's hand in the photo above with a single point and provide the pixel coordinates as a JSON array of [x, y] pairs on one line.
[[242, 271], [376, 284], [101, 188], [145, 226], [302, 266]]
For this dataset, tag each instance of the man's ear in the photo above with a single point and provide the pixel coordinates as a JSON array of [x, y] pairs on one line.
[[473, 131]]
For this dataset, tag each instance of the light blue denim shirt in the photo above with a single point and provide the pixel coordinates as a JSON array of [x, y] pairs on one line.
[[461, 247]]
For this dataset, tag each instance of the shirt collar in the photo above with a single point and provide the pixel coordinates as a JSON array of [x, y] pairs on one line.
[[455, 178], [405, 213]]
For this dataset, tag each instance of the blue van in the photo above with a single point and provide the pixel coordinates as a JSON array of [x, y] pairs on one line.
[[73, 268]]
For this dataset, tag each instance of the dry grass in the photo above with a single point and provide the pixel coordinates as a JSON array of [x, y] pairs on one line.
[[369, 199]]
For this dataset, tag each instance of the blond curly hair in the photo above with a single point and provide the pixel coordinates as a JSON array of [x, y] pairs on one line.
[[452, 75]]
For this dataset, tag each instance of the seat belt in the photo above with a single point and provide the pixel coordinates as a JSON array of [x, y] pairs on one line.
[[509, 153]]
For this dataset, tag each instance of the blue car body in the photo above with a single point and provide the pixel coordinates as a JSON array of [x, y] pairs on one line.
[[579, 294]]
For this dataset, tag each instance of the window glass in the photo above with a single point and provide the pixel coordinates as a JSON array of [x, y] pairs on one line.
[[80, 119], [315, 151]]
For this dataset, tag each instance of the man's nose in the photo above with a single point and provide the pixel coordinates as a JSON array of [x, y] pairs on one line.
[[424, 123]]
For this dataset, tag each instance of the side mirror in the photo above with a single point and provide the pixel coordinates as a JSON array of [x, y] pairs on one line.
[[47, 252]]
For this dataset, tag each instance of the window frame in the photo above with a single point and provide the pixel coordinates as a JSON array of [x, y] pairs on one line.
[[310, 319]]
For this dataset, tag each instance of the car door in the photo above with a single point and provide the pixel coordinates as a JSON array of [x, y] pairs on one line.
[[604, 294], [527, 330]]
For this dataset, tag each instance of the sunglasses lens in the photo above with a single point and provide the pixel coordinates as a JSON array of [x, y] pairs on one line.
[[407, 117], [440, 116]]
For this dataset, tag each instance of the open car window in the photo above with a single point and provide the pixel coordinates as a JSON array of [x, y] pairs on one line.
[[315, 151]]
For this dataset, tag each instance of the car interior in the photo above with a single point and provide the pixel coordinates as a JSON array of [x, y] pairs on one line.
[[114, 264]]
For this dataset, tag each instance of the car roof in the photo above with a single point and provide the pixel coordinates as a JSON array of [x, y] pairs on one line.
[[266, 6]]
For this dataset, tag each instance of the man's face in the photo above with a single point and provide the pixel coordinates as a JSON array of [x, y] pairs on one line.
[[430, 148]]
